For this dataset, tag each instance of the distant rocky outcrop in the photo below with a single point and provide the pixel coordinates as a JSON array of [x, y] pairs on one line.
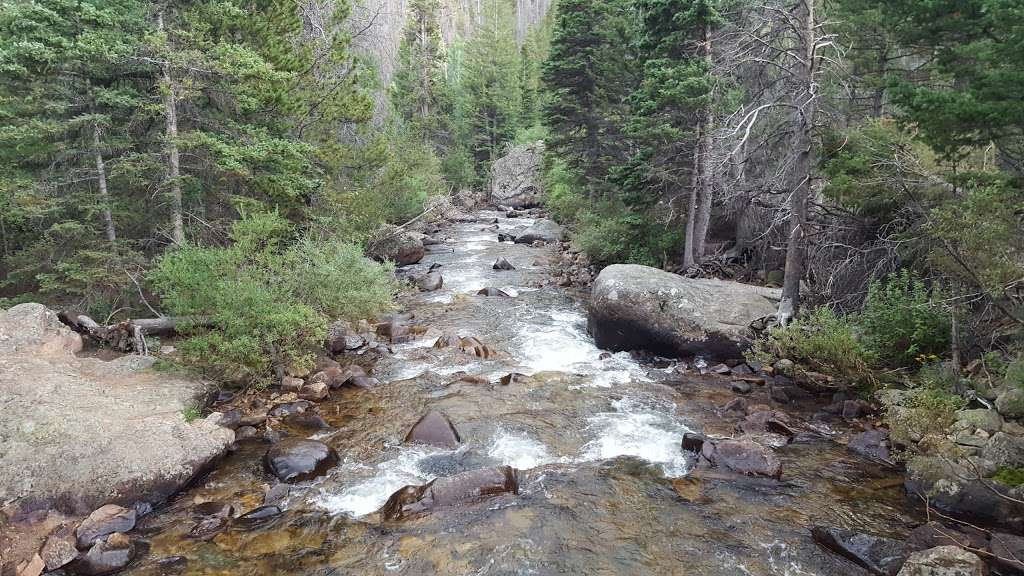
[[80, 432], [516, 178], [638, 307]]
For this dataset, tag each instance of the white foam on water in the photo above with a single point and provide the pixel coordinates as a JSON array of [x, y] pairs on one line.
[[558, 341], [518, 450], [378, 482], [644, 428]]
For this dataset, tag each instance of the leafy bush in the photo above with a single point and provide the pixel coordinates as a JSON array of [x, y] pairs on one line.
[[927, 407], [1015, 372], [1010, 476], [268, 297], [820, 341], [610, 234], [902, 320], [563, 190]]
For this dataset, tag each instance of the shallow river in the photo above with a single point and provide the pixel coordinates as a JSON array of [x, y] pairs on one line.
[[604, 485]]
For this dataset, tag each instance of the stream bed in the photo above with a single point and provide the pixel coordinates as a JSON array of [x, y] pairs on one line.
[[604, 487]]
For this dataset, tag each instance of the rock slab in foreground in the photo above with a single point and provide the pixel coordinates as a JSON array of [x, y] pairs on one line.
[[637, 307], [90, 432], [516, 178]]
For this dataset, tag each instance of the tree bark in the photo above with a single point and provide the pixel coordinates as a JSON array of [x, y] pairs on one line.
[[101, 176], [128, 335], [173, 154], [805, 105], [689, 253], [705, 178]]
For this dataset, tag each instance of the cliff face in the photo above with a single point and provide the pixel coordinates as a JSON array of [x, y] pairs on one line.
[[376, 25]]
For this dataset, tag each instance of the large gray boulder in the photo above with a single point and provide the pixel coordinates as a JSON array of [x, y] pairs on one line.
[[516, 178], [545, 230], [77, 433], [638, 307]]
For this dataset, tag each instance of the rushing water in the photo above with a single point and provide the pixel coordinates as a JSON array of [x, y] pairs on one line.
[[604, 485]]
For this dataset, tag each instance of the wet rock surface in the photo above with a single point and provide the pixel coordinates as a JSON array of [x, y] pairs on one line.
[[434, 429], [879, 555], [104, 521], [450, 491], [944, 561], [296, 459]]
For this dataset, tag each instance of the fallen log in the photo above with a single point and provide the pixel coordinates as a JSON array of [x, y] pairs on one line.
[[130, 335]]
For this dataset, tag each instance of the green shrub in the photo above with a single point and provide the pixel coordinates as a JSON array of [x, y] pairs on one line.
[[819, 341], [927, 407], [902, 320], [610, 234], [1010, 476], [1015, 372], [268, 296], [564, 199]]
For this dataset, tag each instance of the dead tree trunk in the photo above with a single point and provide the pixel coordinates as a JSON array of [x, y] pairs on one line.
[[101, 177], [804, 106], [130, 335], [173, 154], [703, 166]]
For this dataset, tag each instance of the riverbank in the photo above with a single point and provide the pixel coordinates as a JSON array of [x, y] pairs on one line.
[[604, 484]]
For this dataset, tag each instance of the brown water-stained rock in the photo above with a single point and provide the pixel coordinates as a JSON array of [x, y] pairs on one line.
[[104, 520], [872, 443], [207, 528], [434, 429], [462, 488], [315, 391], [743, 457], [512, 378], [878, 555], [933, 534], [475, 347], [105, 557], [448, 341], [297, 459], [395, 244]]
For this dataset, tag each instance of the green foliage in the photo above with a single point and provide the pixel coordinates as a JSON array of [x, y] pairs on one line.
[[611, 233], [1010, 476], [191, 414], [988, 257], [902, 320], [927, 407], [973, 94], [1014, 375], [820, 341], [268, 296]]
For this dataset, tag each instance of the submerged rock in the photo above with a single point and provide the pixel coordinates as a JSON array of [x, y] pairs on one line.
[[638, 307], [494, 292], [943, 561], [743, 457], [871, 443], [434, 429], [878, 555], [450, 491], [296, 459]]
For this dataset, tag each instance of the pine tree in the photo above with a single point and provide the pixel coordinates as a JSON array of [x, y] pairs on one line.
[[589, 74]]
